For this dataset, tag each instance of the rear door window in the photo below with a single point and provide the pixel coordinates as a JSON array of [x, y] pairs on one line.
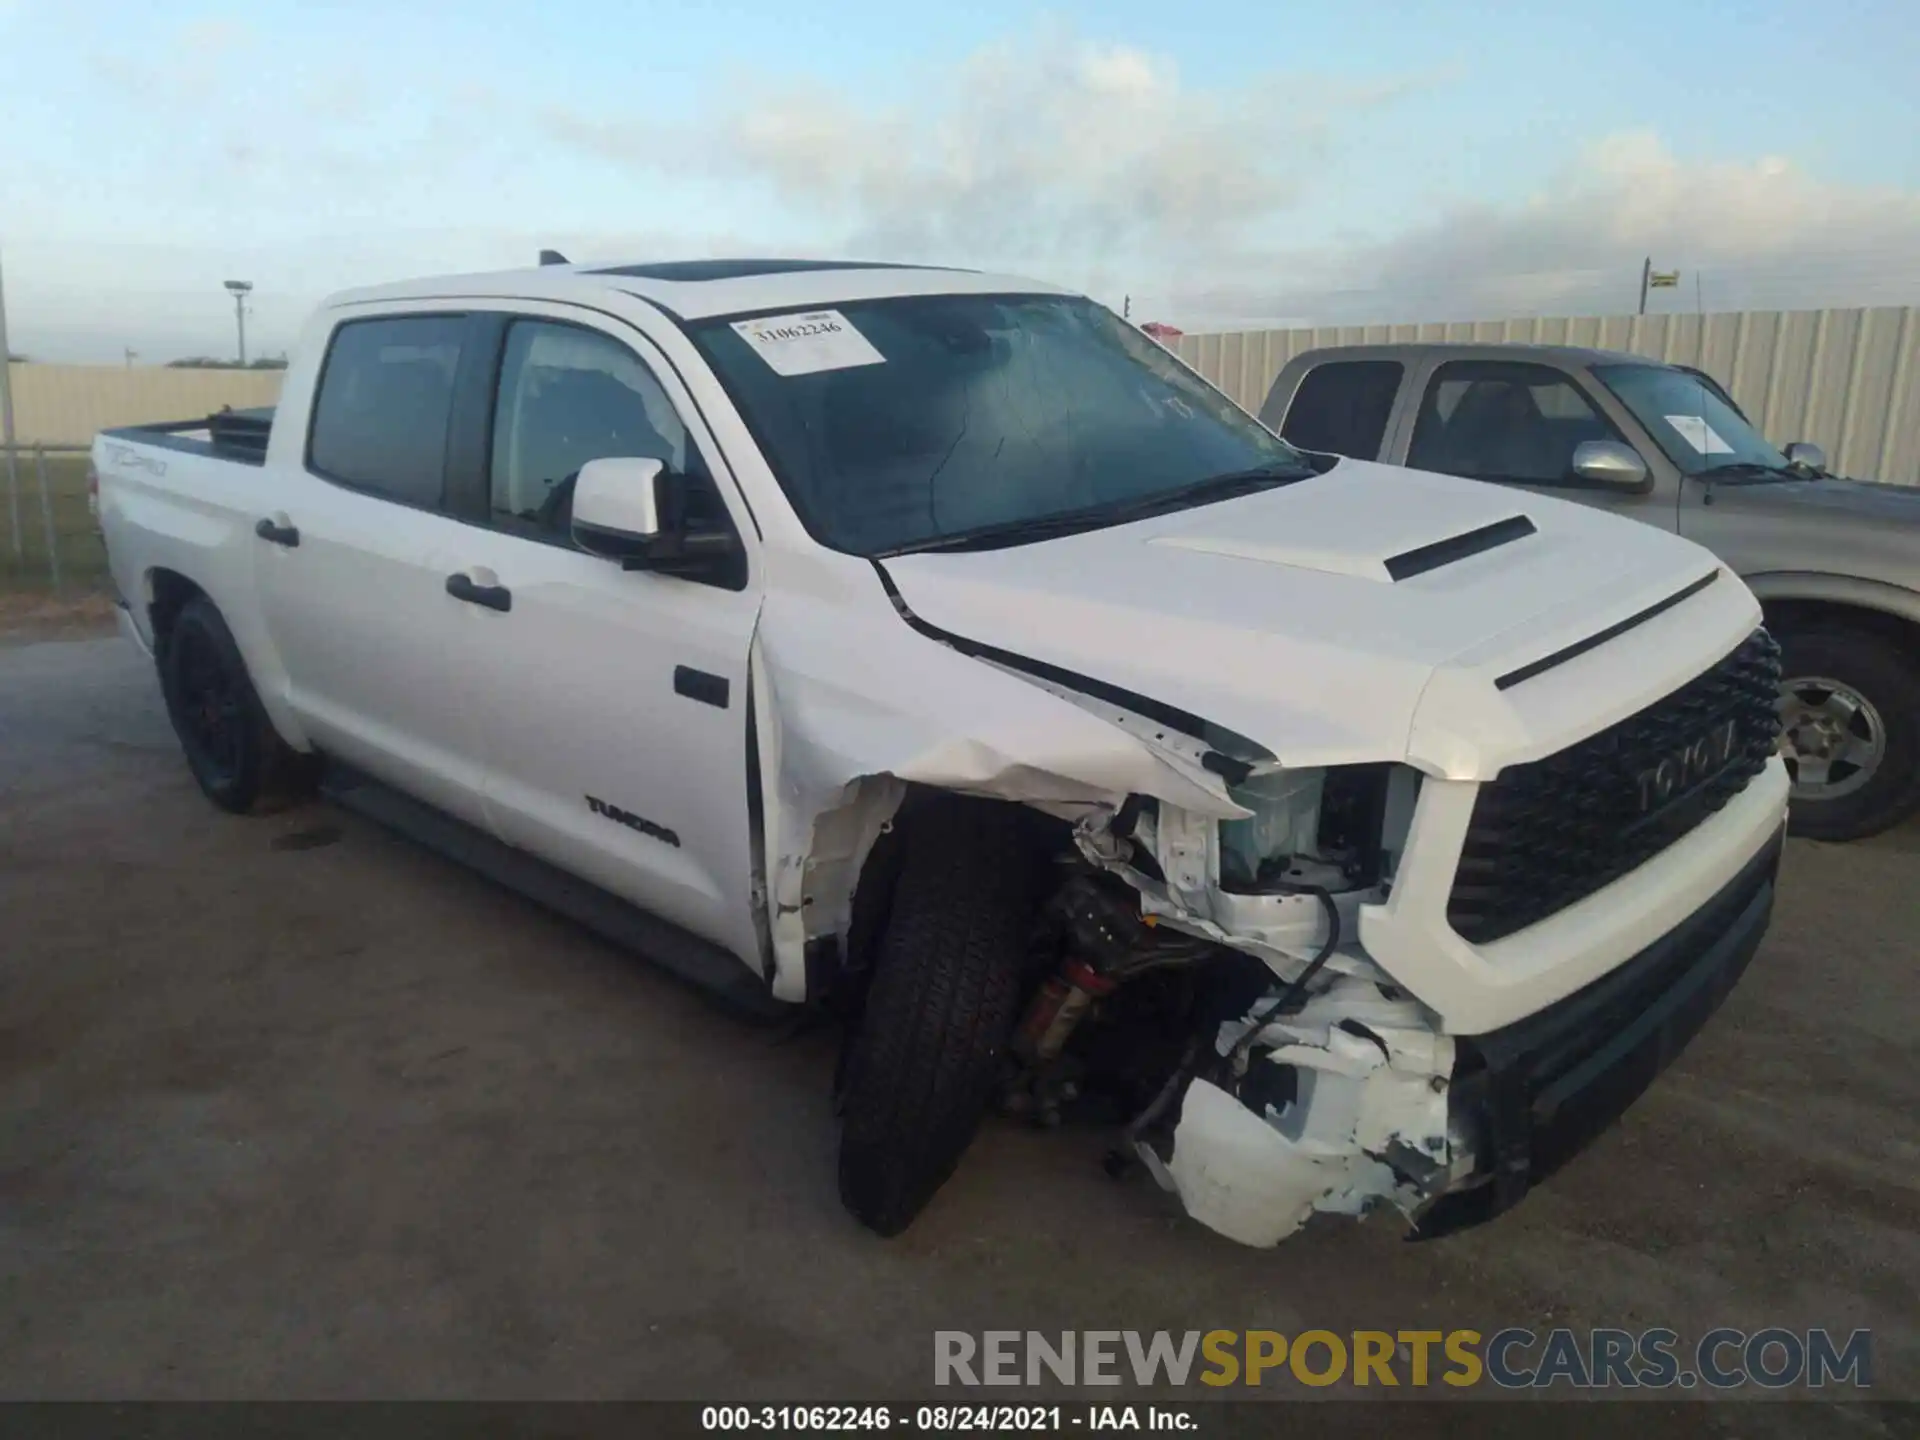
[[380, 415], [1341, 408], [1505, 421]]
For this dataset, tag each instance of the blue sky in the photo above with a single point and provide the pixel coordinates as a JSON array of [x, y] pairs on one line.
[[1224, 164]]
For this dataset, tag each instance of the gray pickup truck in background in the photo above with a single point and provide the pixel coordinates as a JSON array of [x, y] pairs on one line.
[[1836, 563]]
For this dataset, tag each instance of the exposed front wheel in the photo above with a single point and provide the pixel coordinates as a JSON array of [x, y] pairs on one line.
[[1850, 717], [236, 757], [945, 998]]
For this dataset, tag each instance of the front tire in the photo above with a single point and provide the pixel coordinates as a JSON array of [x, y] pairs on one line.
[[944, 1001], [1850, 708], [237, 758]]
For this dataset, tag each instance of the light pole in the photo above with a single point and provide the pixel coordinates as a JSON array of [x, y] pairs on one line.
[[6, 378], [6, 426], [240, 289]]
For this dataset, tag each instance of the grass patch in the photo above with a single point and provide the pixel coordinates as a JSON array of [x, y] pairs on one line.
[[25, 564]]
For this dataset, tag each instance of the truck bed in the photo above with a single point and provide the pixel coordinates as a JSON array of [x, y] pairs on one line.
[[238, 435], [185, 499]]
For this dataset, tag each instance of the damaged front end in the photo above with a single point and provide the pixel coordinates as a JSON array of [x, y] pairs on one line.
[[1320, 1110], [1195, 977], [1275, 1069]]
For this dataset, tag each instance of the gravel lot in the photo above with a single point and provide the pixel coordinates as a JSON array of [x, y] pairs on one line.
[[289, 1108]]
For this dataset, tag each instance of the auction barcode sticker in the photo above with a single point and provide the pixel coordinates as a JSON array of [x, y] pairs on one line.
[[1695, 430], [806, 344]]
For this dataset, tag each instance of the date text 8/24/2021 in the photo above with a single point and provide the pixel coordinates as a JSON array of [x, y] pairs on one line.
[[950, 1419]]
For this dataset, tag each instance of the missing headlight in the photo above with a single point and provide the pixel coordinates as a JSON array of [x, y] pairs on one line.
[[1341, 826], [1285, 823]]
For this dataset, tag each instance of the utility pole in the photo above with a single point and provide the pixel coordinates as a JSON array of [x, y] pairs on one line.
[[6, 375], [1646, 274], [240, 289], [6, 423]]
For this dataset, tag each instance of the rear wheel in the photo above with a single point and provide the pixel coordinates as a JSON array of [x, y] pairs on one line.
[[1850, 716], [945, 997], [236, 757]]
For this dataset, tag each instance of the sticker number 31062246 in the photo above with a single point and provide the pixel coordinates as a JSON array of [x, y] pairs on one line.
[[805, 344]]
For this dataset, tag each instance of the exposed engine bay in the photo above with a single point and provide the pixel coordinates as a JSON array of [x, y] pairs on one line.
[[1262, 1079]]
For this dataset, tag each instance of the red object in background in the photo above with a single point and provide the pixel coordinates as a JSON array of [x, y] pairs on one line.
[[1162, 333]]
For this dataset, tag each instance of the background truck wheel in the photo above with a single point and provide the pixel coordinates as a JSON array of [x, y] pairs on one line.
[[241, 764], [945, 997], [1850, 705]]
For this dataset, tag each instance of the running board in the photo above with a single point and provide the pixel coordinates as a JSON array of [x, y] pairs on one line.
[[717, 972]]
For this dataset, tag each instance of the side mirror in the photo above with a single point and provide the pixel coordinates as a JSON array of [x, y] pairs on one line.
[[634, 510], [1611, 464], [616, 507], [1805, 455]]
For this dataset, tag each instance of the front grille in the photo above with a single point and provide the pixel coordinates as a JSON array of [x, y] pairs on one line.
[[1552, 832]]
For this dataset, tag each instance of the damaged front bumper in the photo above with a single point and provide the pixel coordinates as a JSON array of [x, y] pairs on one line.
[[1336, 1107], [1536, 1093], [1356, 1099]]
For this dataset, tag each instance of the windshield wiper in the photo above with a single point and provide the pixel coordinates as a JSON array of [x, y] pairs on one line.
[[1209, 491], [1735, 470]]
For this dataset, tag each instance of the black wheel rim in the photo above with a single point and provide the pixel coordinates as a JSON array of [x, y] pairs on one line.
[[208, 706]]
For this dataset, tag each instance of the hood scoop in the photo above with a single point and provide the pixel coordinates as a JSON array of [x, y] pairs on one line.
[[1387, 569], [1410, 563]]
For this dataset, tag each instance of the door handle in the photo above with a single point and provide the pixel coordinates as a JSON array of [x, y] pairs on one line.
[[494, 597], [699, 685], [279, 534]]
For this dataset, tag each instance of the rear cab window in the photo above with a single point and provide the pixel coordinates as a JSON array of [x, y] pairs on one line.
[[1342, 407], [380, 413]]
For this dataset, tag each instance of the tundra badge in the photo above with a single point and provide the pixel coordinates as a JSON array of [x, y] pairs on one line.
[[634, 822]]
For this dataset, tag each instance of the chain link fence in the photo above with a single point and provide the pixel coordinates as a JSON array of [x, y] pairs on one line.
[[51, 542]]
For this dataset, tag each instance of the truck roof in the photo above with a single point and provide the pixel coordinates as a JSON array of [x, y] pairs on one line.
[[703, 289], [1404, 350]]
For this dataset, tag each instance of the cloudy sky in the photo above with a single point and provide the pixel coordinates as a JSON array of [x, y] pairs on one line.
[[1225, 164]]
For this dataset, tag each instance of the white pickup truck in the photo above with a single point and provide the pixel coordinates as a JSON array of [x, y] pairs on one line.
[[934, 648]]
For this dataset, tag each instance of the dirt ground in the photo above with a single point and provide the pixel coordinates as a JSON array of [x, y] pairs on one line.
[[290, 1108], [27, 617]]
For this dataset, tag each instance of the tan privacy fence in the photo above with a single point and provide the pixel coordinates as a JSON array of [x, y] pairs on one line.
[[67, 404], [1848, 380]]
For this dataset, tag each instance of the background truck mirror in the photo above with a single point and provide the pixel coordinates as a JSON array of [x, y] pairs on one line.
[[1805, 455], [1610, 463]]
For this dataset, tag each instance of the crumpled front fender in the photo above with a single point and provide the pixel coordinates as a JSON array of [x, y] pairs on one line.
[[837, 750]]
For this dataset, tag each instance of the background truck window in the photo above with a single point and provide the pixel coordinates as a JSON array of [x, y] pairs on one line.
[[1689, 417], [1341, 408], [380, 417], [1499, 420]]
